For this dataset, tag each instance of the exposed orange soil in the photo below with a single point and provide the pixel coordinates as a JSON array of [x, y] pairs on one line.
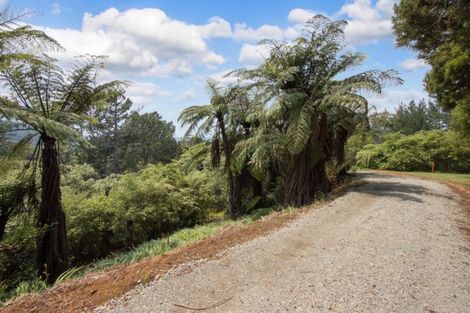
[[86, 293], [464, 193]]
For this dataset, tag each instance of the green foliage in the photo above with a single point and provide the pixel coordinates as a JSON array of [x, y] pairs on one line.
[[50, 102], [306, 75], [121, 211], [449, 151], [147, 139], [18, 41], [408, 119], [106, 136], [226, 117], [438, 30], [448, 79], [18, 255], [309, 107], [413, 117], [461, 118], [29, 286], [460, 179], [355, 144], [79, 177], [55, 104], [427, 25], [127, 141], [5, 141]]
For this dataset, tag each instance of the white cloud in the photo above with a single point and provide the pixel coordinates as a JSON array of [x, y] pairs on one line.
[[56, 9], [301, 16], [143, 41], [217, 27], [3, 2], [145, 93], [243, 32], [390, 99], [367, 23], [412, 64], [360, 10], [253, 54], [187, 95], [386, 6]]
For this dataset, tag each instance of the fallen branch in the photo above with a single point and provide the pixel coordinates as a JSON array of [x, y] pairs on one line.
[[205, 308]]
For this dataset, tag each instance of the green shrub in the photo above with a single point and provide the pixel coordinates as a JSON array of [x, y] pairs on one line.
[[107, 218], [17, 255], [122, 211], [448, 150]]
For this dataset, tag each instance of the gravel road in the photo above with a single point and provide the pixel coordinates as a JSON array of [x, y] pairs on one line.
[[391, 245]]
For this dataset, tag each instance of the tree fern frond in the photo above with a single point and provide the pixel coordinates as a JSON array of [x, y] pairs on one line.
[[300, 131]]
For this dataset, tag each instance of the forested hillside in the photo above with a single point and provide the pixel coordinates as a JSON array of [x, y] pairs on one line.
[[89, 175]]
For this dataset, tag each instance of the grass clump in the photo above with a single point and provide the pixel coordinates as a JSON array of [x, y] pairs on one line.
[[460, 179], [181, 238], [150, 248]]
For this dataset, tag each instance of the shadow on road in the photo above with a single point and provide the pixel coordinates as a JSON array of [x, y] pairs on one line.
[[404, 191]]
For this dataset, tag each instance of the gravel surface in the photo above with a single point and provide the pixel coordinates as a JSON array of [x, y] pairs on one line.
[[392, 245]]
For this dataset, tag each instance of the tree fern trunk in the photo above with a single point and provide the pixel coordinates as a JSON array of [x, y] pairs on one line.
[[304, 182], [306, 176], [341, 137], [52, 244], [234, 196], [258, 191], [3, 224]]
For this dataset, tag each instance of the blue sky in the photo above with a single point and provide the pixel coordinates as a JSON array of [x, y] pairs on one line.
[[169, 48]]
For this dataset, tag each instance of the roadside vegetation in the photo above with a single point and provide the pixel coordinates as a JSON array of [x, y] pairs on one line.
[[87, 181], [458, 179]]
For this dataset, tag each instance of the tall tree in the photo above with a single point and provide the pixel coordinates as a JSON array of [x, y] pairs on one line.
[[413, 117], [380, 123], [438, 31], [302, 79], [52, 102], [147, 138], [106, 135]]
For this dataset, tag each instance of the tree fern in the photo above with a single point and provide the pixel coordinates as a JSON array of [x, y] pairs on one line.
[[55, 104]]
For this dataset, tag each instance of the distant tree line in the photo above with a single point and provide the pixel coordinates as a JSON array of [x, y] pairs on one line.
[[408, 119]]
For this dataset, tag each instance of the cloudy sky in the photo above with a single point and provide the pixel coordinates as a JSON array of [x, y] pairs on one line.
[[168, 48]]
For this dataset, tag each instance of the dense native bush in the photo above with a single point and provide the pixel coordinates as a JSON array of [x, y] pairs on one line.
[[124, 210], [449, 151], [356, 143], [116, 213], [17, 254]]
